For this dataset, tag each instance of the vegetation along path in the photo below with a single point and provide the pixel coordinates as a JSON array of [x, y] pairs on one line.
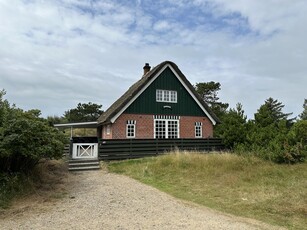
[[101, 200]]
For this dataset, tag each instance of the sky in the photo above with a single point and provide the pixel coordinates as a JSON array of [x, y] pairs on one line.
[[57, 53]]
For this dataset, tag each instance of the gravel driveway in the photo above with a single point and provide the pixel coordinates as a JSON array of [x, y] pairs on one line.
[[101, 200]]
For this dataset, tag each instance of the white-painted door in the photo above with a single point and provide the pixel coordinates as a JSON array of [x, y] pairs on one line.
[[85, 151]]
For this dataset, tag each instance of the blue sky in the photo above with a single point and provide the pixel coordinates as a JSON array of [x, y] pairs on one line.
[[57, 53]]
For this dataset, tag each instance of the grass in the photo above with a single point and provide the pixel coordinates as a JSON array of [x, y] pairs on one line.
[[243, 186], [45, 182]]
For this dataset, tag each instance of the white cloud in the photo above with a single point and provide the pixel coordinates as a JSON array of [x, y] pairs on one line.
[[50, 50]]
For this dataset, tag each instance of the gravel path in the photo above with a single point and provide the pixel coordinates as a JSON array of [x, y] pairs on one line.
[[100, 200]]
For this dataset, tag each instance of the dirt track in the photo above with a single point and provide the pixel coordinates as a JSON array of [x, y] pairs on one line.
[[101, 200]]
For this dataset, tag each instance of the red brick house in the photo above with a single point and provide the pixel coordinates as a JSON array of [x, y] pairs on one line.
[[162, 104]]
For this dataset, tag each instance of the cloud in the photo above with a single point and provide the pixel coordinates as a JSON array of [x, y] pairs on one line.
[[54, 54]]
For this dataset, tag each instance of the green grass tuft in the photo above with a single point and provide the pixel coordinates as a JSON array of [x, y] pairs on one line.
[[245, 186]]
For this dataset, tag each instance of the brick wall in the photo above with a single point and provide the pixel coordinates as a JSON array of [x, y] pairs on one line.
[[145, 127], [187, 127]]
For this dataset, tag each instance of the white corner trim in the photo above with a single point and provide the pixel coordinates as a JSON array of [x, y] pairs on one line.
[[114, 118]]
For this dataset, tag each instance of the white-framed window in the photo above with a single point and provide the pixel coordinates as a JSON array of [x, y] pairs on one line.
[[166, 128], [159, 95], [130, 129], [166, 96], [198, 129]]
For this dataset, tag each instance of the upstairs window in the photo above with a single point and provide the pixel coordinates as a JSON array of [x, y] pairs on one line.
[[166, 96], [130, 129]]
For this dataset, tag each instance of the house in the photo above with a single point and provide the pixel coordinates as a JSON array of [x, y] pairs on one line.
[[160, 112], [162, 104]]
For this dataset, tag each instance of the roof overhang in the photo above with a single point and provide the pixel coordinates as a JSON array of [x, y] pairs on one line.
[[90, 124]]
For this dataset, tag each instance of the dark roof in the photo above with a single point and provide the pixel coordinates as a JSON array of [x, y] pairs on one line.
[[136, 87]]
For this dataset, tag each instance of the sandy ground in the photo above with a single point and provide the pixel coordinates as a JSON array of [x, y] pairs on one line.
[[101, 200]]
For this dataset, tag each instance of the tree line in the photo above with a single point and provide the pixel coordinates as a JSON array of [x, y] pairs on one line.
[[272, 134]]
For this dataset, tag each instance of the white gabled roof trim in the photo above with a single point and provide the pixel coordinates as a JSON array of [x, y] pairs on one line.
[[113, 119]]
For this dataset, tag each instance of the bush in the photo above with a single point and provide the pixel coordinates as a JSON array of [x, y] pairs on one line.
[[25, 138]]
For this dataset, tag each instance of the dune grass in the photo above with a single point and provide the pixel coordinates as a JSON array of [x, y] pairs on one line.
[[45, 180], [244, 186]]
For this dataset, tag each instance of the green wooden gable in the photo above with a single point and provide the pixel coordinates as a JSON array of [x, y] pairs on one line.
[[146, 102]]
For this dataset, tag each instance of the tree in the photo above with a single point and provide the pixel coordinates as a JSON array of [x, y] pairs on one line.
[[268, 134], [303, 115], [4, 107], [298, 132], [83, 112], [233, 128], [55, 120], [271, 113], [208, 92]]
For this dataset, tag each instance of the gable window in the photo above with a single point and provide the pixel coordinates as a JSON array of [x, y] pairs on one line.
[[198, 129], [166, 96], [130, 129], [166, 128]]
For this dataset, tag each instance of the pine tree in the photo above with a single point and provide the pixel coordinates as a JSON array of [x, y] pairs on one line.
[[208, 92], [233, 127], [271, 113], [303, 115]]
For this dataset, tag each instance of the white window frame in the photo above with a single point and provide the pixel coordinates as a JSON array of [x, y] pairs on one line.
[[167, 128], [198, 130], [130, 129], [169, 96]]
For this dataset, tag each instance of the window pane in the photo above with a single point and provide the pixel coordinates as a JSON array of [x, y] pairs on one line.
[[130, 130], [172, 129], [173, 96], [159, 95], [198, 130], [160, 129], [166, 96]]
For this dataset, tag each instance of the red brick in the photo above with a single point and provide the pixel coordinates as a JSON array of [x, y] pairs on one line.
[[145, 127]]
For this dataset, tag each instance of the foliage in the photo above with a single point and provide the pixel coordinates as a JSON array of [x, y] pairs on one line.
[[271, 112], [25, 138], [55, 120], [44, 180], [268, 136], [233, 127], [11, 184], [303, 115], [208, 92], [83, 112], [298, 132]]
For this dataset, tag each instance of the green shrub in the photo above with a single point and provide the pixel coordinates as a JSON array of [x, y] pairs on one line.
[[25, 138]]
